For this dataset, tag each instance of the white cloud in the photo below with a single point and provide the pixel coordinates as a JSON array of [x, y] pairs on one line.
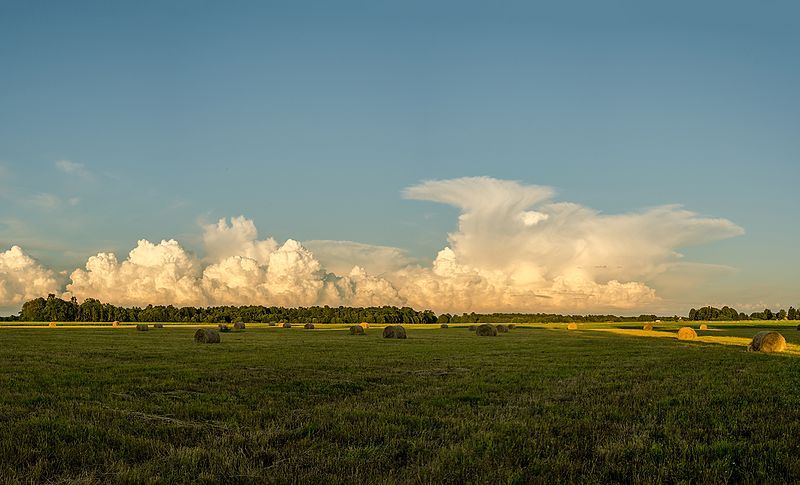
[[161, 273], [340, 256], [46, 202], [22, 278], [73, 168], [239, 238], [514, 250]]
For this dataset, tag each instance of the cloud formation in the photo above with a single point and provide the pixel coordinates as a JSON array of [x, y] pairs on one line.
[[22, 278], [514, 250], [74, 168], [514, 247]]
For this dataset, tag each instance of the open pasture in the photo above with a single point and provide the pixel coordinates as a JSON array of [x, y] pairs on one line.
[[539, 403]]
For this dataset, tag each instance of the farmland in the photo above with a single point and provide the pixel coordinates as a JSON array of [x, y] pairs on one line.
[[606, 402]]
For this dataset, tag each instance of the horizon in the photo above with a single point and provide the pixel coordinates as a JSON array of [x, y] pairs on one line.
[[616, 159]]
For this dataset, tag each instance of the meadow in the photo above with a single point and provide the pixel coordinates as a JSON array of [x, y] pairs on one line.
[[604, 403]]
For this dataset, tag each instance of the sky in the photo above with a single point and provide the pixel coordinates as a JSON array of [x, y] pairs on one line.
[[620, 157]]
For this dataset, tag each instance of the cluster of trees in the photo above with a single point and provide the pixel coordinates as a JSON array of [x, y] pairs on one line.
[[727, 313], [543, 318], [92, 310]]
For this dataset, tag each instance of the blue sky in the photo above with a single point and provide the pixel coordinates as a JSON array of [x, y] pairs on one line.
[[310, 118]]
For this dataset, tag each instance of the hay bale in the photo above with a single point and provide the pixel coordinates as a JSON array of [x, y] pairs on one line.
[[272, 324], [394, 331], [158, 325], [115, 323], [647, 327], [767, 342], [511, 326], [206, 336], [572, 326], [287, 325], [686, 333], [444, 325], [486, 330], [501, 328], [52, 325], [472, 328], [364, 325], [142, 327], [357, 330], [308, 326], [224, 328], [239, 326], [703, 326]]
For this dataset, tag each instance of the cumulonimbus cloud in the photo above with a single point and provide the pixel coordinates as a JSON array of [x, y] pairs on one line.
[[514, 250], [23, 278]]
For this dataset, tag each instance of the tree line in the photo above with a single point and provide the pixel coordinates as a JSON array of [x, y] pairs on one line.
[[56, 309], [544, 318], [53, 308], [92, 310], [726, 313]]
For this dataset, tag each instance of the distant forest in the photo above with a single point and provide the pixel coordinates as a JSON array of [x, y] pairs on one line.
[[709, 313], [92, 310]]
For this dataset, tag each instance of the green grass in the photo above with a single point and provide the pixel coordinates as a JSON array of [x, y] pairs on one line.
[[276, 405]]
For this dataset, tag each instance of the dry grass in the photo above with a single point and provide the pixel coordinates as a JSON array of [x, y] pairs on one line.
[[767, 342], [394, 331], [206, 336]]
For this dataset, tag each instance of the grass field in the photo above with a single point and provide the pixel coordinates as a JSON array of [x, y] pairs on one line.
[[539, 404]]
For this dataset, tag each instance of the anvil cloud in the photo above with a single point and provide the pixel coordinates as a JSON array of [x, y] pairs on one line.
[[515, 249]]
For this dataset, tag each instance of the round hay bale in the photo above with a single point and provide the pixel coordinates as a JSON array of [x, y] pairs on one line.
[[394, 331], [444, 325], [364, 325], [357, 330], [272, 324], [686, 333], [703, 326], [224, 328], [572, 326], [501, 328], [142, 327], [486, 330], [287, 325], [308, 326], [158, 325], [115, 323], [206, 336], [767, 342], [511, 326], [52, 325], [647, 327], [239, 326], [472, 328]]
